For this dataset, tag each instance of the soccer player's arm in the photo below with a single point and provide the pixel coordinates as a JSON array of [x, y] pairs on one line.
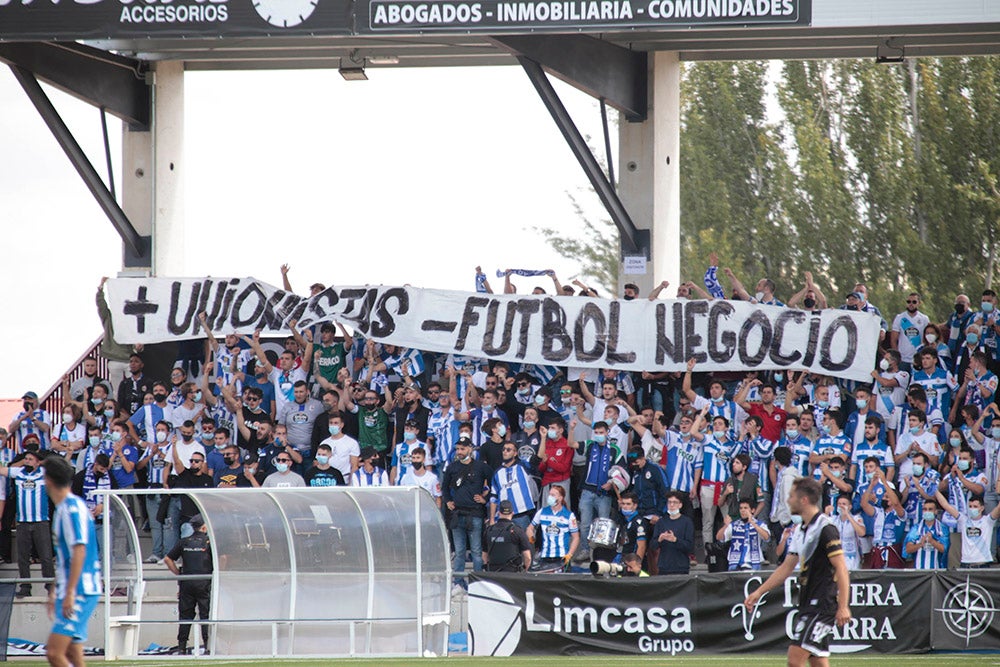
[[830, 539], [78, 555], [776, 579]]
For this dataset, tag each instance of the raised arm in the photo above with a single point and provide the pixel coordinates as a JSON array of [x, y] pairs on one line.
[[686, 383], [555, 281], [284, 278], [655, 292], [736, 284], [212, 341], [486, 281], [945, 505], [254, 342]]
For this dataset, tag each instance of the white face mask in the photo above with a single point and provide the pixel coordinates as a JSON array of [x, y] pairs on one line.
[[931, 337], [759, 296], [884, 364]]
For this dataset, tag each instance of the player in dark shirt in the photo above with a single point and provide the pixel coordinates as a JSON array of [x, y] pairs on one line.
[[824, 582]]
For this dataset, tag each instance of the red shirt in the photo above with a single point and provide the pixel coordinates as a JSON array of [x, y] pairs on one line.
[[774, 421], [558, 462]]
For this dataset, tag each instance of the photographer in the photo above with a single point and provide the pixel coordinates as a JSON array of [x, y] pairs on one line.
[[507, 546], [633, 566]]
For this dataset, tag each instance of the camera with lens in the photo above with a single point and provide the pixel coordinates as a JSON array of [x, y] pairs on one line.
[[600, 568]]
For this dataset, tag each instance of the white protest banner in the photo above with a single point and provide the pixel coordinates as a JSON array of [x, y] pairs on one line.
[[558, 331]]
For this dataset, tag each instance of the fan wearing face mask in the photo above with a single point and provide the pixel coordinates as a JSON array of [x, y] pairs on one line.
[[962, 483]]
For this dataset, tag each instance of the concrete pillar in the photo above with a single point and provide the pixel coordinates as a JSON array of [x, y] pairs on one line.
[[649, 173], [168, 169], [137, 183]]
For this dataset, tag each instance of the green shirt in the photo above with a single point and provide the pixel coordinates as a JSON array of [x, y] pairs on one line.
[[372, 425], [331, 359]]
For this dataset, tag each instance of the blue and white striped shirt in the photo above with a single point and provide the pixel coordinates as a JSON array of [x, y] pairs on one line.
[[716, 455], [760, 450], [32, 500], [377, 477], [836, 445], [801, 447], [157, 464], [557, 530], [73, 525], [927, 557], [513, 483], [439, 425], [681, 457]]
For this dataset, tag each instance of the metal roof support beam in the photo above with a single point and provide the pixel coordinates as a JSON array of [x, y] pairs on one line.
[[601, 69], [633, 240], [134, 243], [96, 77]]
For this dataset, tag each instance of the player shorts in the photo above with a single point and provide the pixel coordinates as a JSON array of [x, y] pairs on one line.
[[75, 627], [813, 632]]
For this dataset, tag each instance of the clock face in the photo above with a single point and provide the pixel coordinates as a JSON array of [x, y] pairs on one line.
[[284, 13]]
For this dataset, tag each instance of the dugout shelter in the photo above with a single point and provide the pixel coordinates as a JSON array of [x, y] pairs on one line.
[[323, 572]]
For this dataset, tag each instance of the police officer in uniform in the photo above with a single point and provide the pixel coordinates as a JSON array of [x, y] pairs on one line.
[[507, 546], [196, 554]]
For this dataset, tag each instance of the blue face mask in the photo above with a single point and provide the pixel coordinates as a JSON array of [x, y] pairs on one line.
[[409, 436], [630, 514], [529, 424], [539, 400], [823, 404], [914, 430], [964, 465], [207, 437], [791, 433], [322, 460], [929, 516], [862, 403], [971, 338], [501, 430], [116, 436], [986, 307], [552, 433], [796, 519], [197, 396], [975, 513], [334, 430], [187, 530], [918, 469], [599, 438], [954, 442], [281, 467], [551, 501]]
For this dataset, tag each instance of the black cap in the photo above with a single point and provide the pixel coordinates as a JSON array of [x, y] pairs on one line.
[[411, 423], [506, 507], [368, 452], [196, 521], [465, 442], [248, 459]]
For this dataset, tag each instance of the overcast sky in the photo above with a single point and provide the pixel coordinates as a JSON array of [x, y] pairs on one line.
[[414, 176]]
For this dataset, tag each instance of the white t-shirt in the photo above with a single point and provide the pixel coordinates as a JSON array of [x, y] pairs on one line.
[[284, 385], [279, 480], [343, 449], [976, 536], [185, 450], [910, 328], [928, 444], [427, 481]]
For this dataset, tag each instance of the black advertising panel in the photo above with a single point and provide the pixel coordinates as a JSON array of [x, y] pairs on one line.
[[49, 20], [500, 16], [893, 612]]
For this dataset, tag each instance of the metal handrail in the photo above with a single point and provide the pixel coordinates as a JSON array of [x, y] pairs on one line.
[[52, 399]]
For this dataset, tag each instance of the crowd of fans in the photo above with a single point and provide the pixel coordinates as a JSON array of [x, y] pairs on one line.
[[589, 464]]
